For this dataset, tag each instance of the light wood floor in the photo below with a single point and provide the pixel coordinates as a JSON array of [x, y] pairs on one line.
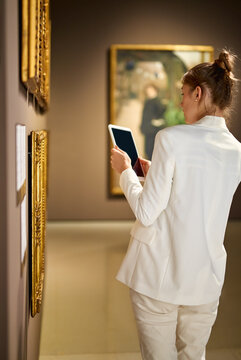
[[221, 354], [87, 313]]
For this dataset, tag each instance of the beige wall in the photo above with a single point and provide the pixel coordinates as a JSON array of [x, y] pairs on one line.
[[82, 33], [3, 299], [19, 332]]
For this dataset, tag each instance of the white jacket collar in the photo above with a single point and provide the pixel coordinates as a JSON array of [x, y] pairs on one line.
[[212, 121]]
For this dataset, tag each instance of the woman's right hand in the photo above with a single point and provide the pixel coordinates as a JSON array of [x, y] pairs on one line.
[[145, 164]]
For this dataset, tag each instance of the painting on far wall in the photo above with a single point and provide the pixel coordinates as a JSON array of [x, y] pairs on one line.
[[145, 90]]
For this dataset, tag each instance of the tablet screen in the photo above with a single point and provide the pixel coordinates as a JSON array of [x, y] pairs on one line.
[[125, 142]]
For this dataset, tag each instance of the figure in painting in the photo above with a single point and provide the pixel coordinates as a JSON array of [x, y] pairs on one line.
[[152, 117]]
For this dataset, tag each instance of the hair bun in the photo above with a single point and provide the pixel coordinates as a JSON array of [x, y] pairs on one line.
[[225, 61]]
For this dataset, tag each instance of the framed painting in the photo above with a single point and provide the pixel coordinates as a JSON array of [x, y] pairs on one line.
[[35, 56], [37, 210], [145, 89]]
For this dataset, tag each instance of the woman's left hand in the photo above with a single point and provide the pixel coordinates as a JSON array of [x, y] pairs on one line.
[[120, 160]]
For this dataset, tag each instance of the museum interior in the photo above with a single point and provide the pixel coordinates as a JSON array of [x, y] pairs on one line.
[[64, 222]]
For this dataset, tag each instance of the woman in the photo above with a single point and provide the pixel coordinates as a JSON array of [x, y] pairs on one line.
[[175, 262]]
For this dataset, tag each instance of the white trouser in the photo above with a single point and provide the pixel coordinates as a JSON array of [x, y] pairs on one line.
[[170, 332]]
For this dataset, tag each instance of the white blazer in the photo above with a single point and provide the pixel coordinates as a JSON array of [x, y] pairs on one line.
[[176, 252]]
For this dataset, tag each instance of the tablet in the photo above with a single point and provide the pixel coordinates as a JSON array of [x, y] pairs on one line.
[[122, 137]]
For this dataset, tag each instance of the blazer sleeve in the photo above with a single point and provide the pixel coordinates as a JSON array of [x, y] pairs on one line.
[[149, 201]]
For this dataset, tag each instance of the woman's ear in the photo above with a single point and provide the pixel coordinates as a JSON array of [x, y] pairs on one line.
[[198, 93]]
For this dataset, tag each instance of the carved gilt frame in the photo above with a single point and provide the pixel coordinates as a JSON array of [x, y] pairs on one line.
[[35, 57], [131, 69], [38, 146]]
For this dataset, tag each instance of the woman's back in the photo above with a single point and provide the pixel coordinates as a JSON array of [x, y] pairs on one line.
[[182, 213], [207, 172], [206, 175]]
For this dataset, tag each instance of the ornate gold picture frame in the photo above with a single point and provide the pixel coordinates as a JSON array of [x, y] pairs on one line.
[[145, 88], [38, 194], [35, 57]]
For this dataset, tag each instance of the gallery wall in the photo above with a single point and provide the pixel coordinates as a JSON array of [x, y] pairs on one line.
[[3, 264], [82, 33], [19, 332]]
